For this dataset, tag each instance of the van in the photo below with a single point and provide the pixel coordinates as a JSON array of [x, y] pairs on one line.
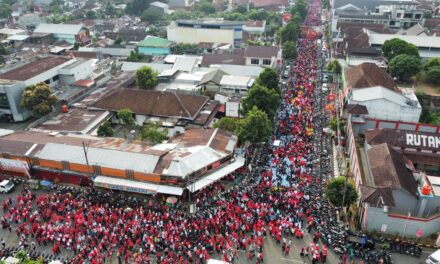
[[6, 186], [434, 258]]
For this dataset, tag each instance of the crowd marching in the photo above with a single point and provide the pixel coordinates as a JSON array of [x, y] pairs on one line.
[[275, 201]]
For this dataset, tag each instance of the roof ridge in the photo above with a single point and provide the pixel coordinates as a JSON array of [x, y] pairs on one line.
[[182, 105]]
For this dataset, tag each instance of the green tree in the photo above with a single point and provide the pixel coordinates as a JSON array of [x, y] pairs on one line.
[[299, 9], [91, 14], [76, 46], [269, 78], [289, 50], [126, 119], [289, 32], [433, 75], [258, 14], [334, 122], [105, 130], [205, 7], [118, 41], [227, 123], [335, 192], [335, 67], [5, 10], [240, 9], [38, 98], [134, 57], [146, 78], [255, 128], [427, 14], [234, 16], [181, 14], [153, 132], [151, 16], [434, 62], [267, 100], [394, 47], [137, 7], [404, 66]]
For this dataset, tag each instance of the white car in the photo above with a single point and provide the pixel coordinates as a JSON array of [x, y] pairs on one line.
[[434, 258], [6, 186]]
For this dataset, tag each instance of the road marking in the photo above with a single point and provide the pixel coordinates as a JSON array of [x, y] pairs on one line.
[[293, 260]]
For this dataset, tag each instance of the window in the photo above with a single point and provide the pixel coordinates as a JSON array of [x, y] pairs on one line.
[[267, 61], [237, 91], [4, 103], [255, 61], [55, 78], [418, 16]]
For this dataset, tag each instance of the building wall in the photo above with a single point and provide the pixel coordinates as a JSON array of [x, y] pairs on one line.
[[375, 218], [79, 72], [260, 61], [372, 123], [153, 51], [13, 92], [353, 155], [232, 109], [196, 35], [69, 38], [387, 110]]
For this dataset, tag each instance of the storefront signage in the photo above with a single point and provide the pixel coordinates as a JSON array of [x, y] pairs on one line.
[[123, 188], [422, 141]]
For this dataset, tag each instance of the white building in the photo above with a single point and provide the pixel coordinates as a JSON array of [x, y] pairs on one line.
[[386, 104], [50, 70]]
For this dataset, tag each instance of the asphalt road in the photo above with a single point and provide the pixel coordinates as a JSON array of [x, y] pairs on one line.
[[272, 251]]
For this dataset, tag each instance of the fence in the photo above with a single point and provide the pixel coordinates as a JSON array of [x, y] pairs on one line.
[[371, 123]]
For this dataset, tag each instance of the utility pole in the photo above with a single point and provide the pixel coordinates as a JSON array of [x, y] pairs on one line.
[[86, 149]]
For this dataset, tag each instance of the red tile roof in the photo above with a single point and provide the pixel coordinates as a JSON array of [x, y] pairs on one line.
[[368, 75]]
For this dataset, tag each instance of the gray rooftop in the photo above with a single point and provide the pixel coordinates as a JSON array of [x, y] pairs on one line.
[[58, 29]]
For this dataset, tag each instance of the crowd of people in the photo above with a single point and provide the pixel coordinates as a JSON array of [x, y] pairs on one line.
[[277, 200]]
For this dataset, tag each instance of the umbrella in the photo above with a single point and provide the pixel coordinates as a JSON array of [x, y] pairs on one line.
[[171, 200]]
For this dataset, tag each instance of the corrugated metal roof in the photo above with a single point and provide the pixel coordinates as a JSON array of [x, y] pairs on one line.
[[419, 41], [102, 157], [379, 92], [66, 29], [192, 159], [135, 186], [133, 66]]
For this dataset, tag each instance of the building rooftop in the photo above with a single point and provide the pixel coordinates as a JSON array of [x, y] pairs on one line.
[[261, 51], [368, 75], [419, 41], [213, 76], [236, 57], [75, 121], [356, 109], [210, 21], [155, 42], [153, 103], [34, 68], [58, 29], [403, 139], [234, 80], [379, 92], [389, 169]]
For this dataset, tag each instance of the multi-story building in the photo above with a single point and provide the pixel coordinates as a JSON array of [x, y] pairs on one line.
[[66, 32], [51, 70], [212, 30], [394, 14]]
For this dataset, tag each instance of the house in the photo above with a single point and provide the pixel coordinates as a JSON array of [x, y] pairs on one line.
[[132, 35], [209, 30], [180, 3], [69, 33], [270, 4], [385, 104], [416, 30], [266, 56], [391, 200], [50, 69], [236, 85], [255, 27], [172, 110], [366, 75], [235, 57], [211, 81], [154, 46], [160, 7]]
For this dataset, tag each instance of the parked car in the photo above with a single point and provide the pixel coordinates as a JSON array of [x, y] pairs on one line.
[[6, 186], [434, 258]]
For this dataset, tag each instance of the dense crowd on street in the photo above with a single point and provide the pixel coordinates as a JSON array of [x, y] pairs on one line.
[[276, 200]]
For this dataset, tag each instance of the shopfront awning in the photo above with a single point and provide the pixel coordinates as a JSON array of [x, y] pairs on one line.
[[212, 177], [135, 186]]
